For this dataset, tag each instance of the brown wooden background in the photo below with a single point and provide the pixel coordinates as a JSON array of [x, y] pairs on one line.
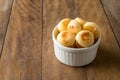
[[26, 46]]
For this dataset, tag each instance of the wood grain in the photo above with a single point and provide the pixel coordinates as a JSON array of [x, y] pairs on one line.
[[5, 8], [21, 56], [107, 63], [52, 69], [28, 52], [112, 9]]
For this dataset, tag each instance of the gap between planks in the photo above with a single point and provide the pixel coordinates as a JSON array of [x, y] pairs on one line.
[[109, 22], [6, 28]]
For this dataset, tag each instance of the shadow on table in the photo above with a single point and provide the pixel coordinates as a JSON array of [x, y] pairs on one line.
[[106, 58]]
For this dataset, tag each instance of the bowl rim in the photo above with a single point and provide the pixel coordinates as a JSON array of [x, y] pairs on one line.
[[74, 49]]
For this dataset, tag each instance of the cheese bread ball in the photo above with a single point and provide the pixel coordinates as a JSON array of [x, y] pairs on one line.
[[84, 39], [74, 26], [80, 20], [94, 28], [66, 38], [63, 24]]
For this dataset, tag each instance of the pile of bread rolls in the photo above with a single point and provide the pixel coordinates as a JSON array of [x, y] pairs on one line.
[[77, 33]]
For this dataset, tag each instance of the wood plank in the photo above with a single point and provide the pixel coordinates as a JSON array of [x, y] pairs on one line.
[[21, 56], [106, 66], [112, 9], [5, 8], [53, 12]]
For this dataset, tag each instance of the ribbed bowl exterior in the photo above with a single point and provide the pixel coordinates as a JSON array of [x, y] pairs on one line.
[[74, 56]]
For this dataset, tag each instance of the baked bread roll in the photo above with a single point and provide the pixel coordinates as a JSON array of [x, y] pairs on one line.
[[74, 26], [66, 38], [80, 20], [92, 27], [84, 39], [63, 24]]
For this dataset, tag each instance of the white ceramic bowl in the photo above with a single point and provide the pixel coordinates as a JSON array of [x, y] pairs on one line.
[[74, 56]]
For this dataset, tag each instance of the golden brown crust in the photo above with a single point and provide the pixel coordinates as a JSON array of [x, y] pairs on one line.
[[85, 36], [84, 39], [77, 33], [66, 38], [80, 20], [92, 27], [63, 24], [74, 27]]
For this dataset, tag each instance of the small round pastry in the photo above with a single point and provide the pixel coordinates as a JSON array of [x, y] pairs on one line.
[[66, 38], [74, 27], [84, 39], [80, 20], [63, 24], [92, 27]]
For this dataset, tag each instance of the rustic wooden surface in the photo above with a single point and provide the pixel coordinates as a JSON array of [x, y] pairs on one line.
[[26, 42], [21, 55], [5, 10], [112, 8]]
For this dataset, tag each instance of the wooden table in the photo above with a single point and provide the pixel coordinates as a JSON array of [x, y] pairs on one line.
[[26, 43]]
